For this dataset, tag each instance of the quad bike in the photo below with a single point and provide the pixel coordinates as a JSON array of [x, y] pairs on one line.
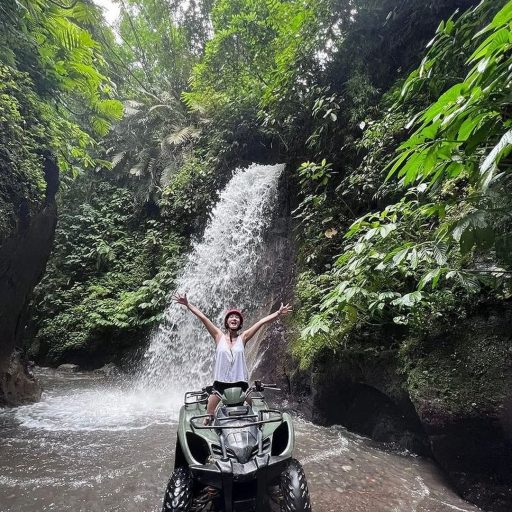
[[239, 461]]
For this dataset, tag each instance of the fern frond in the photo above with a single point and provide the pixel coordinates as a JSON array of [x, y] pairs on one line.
[[183, 135], [118, 158], [100, 126]]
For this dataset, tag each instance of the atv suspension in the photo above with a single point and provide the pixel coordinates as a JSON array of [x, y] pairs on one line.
[[204, 501]]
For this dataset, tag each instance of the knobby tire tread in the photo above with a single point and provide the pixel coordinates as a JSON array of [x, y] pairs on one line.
[[294, 489], [179, 492]]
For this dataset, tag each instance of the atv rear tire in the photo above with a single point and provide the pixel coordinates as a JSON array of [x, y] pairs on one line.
[[294, 489], [178, 495]]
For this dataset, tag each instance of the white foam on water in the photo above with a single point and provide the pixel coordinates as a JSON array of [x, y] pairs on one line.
[[101, 408], [334, 451], [454, 507]]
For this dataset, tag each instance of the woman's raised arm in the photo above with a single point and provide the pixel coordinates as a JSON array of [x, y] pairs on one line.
[[215, 332], [249, 333]]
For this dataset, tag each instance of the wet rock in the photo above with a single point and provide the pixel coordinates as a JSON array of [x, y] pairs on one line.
[[268, 354], [18, 384], [109, 370], [460, 382], [366, 394], [68, 367]]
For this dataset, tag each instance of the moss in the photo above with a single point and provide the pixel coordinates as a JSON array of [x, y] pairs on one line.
[[463, 372]]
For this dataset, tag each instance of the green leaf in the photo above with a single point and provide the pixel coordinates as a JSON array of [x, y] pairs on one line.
[[386, 229], [408, 300], [432, 277], [439, 253], [400, 256], [490, 164]]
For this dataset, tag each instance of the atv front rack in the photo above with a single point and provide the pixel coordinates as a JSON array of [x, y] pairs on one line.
[[250, 420]]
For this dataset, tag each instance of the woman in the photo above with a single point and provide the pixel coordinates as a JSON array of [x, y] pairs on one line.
[[230, 364]]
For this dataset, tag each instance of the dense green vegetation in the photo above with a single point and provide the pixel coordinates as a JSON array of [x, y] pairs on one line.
[[52, 75], [394, 119], [125, 226], [442, 240]]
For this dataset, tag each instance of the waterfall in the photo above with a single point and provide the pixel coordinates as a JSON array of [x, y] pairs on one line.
[[224, 270]]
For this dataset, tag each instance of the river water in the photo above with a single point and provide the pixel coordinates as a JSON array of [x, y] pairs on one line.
[[92, 445]]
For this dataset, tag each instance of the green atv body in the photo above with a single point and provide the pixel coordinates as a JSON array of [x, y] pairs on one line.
[[240, 461]]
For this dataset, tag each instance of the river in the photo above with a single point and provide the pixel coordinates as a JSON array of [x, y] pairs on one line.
[[92, 445]]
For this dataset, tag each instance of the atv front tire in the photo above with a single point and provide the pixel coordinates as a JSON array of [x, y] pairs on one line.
[[178, 495], [294, 489]]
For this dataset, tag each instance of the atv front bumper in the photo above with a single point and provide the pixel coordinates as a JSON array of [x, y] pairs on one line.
[[224, 474]]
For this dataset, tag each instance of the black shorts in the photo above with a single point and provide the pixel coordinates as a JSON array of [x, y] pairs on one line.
[[222, 386]]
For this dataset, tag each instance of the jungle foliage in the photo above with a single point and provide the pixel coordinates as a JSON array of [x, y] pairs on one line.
[[393, 117], [54, 97], [120, 238], [445, 240], [50, 43], [108, 278], [124, 227]]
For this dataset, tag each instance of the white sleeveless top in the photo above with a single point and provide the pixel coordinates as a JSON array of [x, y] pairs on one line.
[[230, 363]]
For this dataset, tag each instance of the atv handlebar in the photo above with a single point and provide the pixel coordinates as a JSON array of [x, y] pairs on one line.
[[201, 397], [248, 423], [196, 397], [259, 386]]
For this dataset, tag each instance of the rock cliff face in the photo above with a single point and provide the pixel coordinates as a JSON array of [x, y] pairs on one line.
[[23, 257], [448, 396], [461, 386], [267, 352]]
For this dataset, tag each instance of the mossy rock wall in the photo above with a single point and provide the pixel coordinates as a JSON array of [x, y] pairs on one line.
[[29, 180], [448, 396], [460, 383]]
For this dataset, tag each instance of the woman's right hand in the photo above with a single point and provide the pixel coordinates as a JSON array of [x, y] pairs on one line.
[[181, 299]]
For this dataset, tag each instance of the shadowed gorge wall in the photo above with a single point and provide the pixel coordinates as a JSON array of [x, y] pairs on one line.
[[23, 257]]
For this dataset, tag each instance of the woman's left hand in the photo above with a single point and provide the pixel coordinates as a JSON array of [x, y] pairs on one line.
[[284, 310]]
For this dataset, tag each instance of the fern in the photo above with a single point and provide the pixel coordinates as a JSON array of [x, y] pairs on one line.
[[183, 135]]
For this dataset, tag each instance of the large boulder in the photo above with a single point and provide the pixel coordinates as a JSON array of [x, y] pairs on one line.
[[364, 391], [18, 384], [23, 258]]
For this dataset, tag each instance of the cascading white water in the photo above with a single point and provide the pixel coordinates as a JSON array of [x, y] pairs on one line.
[[224, 270]]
